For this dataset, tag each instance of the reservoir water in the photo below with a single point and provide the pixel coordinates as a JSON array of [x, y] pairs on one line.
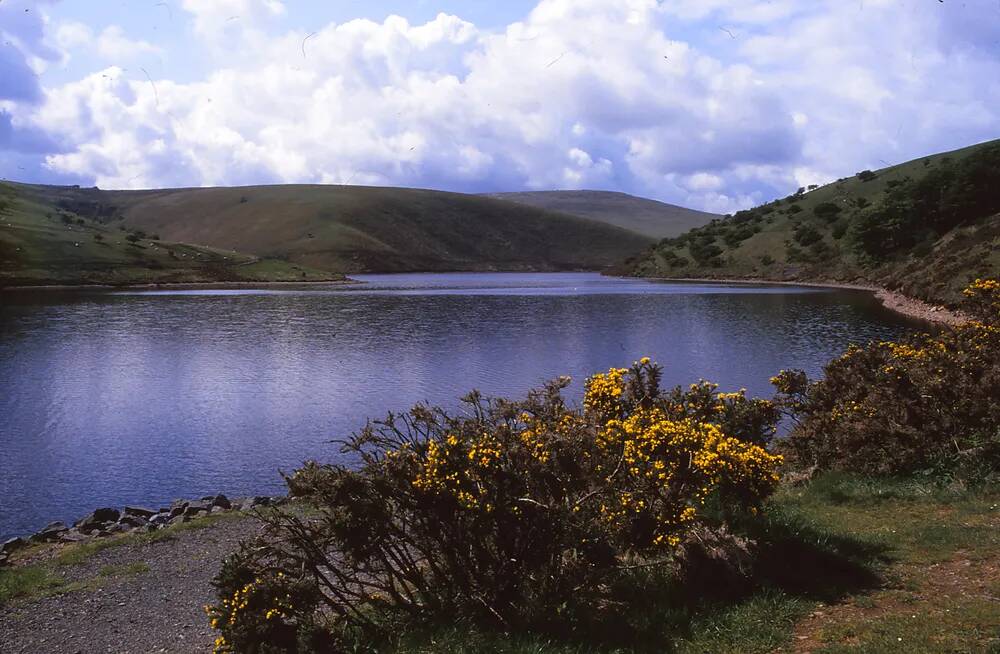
[[142, 396]]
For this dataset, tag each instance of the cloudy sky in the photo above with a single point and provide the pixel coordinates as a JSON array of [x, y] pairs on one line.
[[714, 104]]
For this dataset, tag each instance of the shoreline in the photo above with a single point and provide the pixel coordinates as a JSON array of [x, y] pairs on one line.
[[178, 285], [892, 300]]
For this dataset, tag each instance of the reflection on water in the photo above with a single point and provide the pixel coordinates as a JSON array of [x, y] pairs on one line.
[[144, 396]]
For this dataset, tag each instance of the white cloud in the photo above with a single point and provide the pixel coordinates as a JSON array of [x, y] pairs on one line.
[[213, 16], [113, 45], [652, 98]]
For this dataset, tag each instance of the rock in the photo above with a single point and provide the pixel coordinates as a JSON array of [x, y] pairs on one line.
[[13, 545], [194, 508], [97, 518], [221, 501], [3, 559], [51, 533], [139, 512], [254, 502], [132, 521], [218, 509], [159, 520], [72, 536], [115, 528]]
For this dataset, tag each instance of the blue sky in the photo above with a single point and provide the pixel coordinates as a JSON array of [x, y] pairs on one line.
[[715, 104]]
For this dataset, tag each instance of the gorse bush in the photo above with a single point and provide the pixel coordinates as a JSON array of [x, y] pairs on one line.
[[925, 403], [510, 514]]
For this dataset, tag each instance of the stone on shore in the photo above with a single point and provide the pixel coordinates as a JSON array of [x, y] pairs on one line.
[[51, 533], [98, 519]]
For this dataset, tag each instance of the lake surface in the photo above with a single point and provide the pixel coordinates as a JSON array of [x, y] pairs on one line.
[[114, 397]]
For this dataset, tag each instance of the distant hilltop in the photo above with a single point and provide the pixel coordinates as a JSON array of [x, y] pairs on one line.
[[647, 217]]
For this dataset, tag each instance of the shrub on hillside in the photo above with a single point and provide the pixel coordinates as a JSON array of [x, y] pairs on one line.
[[513, 514], [924, 403]]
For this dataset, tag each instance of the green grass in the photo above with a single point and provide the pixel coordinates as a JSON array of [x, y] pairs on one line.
[[43, 243], [936, 270], [846, 564], [649, 217], [357, 229]]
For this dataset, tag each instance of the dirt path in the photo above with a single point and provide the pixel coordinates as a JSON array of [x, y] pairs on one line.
[[137, 598]]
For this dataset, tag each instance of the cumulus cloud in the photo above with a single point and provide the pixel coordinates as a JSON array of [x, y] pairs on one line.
[[716, 104], [214, 16], [111, 44]]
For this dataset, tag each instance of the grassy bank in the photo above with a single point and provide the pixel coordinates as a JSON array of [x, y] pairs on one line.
[[43, 243], [925, 228], [850, 564]]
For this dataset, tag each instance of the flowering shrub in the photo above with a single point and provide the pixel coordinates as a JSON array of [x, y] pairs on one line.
[[510, 513], [261, 610], [925, 403]]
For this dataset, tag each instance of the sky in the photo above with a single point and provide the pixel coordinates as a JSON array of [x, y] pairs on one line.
[[712, 104]]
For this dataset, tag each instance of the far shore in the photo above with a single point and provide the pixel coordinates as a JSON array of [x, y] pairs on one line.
[[176, 285], [892, 300]]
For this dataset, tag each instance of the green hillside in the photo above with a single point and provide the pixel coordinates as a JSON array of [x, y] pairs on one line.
[[363, 229], [43, 243], [648, 217], [925, 227]]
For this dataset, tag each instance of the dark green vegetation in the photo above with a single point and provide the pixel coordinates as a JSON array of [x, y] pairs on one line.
[[843, 563], [47, 240], [854, 564], [648, 217], [359, 229], [927, 404], [924, 405], [925, 228], [526, 516]]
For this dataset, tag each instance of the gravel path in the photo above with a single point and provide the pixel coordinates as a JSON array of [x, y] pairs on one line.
[[156, 610]]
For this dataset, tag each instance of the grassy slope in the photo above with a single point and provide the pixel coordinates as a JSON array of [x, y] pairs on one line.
[[649, 217], [355, 229], [936, 272], [39, 246]]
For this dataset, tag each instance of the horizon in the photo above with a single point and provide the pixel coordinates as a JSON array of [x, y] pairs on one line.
[[715, 106], [444, 190]]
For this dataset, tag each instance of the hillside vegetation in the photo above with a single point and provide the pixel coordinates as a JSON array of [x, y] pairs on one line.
[[926, 228], [362, 229], [647, 217], [44, 243]]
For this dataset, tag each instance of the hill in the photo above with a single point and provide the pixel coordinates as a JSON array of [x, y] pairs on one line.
[[648, 217], [42, 242], [363, 229], [925, 228]]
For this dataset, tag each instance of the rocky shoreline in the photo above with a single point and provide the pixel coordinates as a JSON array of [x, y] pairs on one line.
[[892, 300], [107, 522]]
